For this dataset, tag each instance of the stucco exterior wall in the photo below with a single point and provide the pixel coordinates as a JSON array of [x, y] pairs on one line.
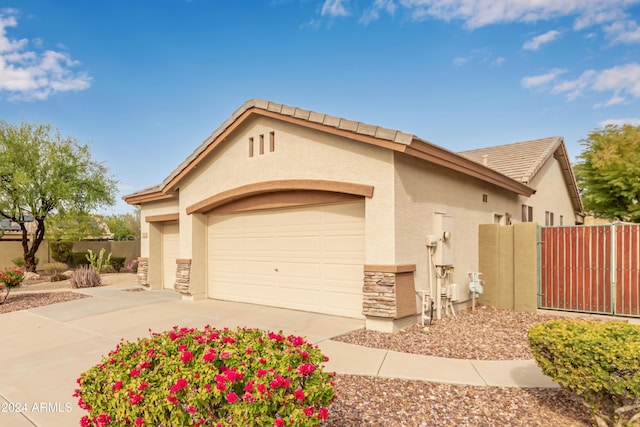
[[300, 153], [429, 198], [162, 207], [551, 195]]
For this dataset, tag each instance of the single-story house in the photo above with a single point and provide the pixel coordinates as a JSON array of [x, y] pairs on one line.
[[287, 207]]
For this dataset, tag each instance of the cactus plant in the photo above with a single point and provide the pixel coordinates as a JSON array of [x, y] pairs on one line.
[[85, 277], [98, 262]]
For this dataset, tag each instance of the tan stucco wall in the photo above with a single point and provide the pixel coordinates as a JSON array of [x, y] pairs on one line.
[[425, 195], [162, 207], [551, 195], [509, 263], [300, 153], [10, 250], [130, 249]]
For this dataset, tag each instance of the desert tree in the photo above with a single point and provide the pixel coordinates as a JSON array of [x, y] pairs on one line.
[[608, 173], [44, 173]]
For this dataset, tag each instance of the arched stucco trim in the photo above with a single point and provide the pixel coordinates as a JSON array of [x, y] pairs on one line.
[[286, 185]]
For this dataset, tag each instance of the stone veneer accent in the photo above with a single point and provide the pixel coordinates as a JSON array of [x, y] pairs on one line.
[[388, 291], [183, 276], [143, 271]]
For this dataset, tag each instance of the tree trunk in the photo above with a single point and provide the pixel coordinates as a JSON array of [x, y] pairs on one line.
[[30, 252]]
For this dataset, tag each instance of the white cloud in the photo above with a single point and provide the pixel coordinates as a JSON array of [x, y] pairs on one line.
[[479, 13], [482, 55], [460, 61], [542, 79], [499, 61], [536, 42], [334, 8], [575, 88], [373, 13], [622, 82], [624, 32], [29, 75], [620, 122]]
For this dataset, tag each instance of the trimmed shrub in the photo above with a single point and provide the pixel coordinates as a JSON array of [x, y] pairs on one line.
[[85, 277], [78, 259], [597, 361], [61, 251], [186, 376], [117, 263]]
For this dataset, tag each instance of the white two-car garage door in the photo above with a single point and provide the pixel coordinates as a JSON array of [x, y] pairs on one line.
[[306, 258]]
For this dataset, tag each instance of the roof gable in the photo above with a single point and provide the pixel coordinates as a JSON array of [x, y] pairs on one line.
[[521, 161], [371, 134]]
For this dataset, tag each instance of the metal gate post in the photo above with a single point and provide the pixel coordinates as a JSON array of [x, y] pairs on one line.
[[539, 251]]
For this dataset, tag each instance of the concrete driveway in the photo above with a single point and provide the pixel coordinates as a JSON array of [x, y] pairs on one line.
[[45, 349]]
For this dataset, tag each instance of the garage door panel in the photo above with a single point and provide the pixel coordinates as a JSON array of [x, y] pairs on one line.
[[307, 258], [170, 252], [292, 297], [302, 243]]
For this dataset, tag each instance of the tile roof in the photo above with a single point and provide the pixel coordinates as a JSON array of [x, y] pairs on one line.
[[519, 161]]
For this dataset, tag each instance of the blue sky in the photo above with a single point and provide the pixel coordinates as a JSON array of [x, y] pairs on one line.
[[145, 82]]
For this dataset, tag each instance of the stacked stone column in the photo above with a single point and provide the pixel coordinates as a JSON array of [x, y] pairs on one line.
[[388, 291]]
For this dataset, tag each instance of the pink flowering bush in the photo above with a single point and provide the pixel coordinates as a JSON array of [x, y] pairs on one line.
[[10, 278], [212, 377]]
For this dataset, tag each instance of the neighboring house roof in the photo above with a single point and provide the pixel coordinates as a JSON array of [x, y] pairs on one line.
[[522, 161], [388, 138]]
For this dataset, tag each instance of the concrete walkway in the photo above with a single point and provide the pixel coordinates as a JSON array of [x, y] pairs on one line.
[[45, 349]]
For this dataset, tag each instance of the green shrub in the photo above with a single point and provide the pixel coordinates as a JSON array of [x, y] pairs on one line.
[[61, 251], [597, 361], [186, 377], [79, 258], [85, 277], [117, 262], [19, 261]]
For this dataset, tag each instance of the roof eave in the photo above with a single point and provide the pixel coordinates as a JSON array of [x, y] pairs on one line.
[[440, 156], [155, 196]]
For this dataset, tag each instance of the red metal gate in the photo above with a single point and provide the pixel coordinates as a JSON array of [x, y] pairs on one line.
[[590, 269]]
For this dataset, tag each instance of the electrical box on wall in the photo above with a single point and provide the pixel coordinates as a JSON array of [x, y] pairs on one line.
[[431, 241]]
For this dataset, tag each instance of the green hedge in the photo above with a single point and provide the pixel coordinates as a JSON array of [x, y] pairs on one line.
[[117, 262], [597, 361], [61, 251], [79, 258]]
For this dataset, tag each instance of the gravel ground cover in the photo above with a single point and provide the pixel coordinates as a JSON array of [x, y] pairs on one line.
[[367, 401], [25, 300], [485, 333]]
